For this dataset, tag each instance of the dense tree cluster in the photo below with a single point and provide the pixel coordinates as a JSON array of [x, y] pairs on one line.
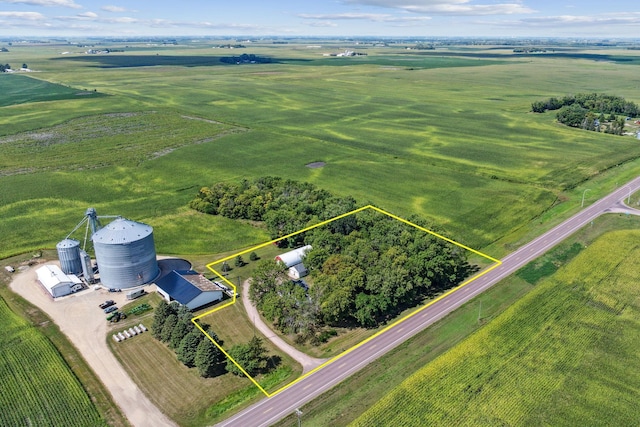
[[251, 356], [4, 68], [529, 50], [594, 102], [285, 206], [587, 111], [362, 275], [172, 325], [245, 59], [284, 302]]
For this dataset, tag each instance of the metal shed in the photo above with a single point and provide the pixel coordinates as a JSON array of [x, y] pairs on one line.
[[189, 288]]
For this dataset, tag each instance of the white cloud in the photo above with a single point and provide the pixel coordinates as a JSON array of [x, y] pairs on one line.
[[27, 16], [246, 28], [114, 9], [448, 7], [605, 19], [60, 3], [323, 24], [374, 17], [89, 15], [122, 20]]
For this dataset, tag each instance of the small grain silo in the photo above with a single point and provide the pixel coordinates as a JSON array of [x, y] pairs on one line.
[[125, 253], [69, 256]]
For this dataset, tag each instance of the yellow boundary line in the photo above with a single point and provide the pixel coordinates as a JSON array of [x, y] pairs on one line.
[[397, 322]]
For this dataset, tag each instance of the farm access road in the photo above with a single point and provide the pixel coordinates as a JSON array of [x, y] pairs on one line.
[[270, 410], [83, 322], [308, 363]]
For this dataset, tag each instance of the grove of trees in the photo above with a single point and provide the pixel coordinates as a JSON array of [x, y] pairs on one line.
[[285, 206], [365, 268], [245, 59], [362, 274], [588, 110]]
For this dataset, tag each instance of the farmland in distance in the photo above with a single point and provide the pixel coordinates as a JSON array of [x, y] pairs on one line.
[[452, 142]]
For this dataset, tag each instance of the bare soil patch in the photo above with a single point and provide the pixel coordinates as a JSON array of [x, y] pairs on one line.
[[315, 165]]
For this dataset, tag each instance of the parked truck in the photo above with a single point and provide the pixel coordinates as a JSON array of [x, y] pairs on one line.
[[136, 294]]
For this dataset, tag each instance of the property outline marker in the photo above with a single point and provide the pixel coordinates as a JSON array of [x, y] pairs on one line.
[[339, 356]]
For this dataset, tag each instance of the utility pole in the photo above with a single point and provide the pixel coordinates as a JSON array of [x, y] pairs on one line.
[[479, 311], [298, 414]]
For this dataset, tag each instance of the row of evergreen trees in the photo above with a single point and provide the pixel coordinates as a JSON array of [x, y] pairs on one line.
[[173, 326]]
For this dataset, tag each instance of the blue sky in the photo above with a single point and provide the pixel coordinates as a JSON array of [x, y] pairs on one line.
[[418, 18]]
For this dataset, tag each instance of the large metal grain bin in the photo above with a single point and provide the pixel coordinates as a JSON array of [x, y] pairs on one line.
[[69, 256], [125, 253]]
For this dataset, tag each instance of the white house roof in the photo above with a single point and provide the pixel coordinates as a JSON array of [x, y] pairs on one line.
[[293, 257], [51, 276]]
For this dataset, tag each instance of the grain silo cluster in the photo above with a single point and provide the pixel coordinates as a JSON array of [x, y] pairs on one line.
[[125, 254]]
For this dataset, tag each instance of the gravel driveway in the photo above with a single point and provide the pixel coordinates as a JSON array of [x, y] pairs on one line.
[[80, 319]]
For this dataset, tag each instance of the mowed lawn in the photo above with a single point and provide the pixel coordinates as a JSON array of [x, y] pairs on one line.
[[566, 354], [181, 392]]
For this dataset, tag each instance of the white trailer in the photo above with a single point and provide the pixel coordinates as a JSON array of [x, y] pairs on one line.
[[135, 294]]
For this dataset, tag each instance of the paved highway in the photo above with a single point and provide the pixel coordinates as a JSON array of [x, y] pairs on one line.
[[270, 410]]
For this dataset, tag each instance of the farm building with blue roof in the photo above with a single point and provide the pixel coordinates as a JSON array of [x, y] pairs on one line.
[[189, 288]]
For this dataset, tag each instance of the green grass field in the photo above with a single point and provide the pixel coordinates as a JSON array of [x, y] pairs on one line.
[[20, 89], [564, 354], [37, 384], [456, 145]]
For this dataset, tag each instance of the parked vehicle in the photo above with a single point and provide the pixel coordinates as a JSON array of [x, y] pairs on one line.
[[116, 317], [136, 294], [110, 309], [106, 304]]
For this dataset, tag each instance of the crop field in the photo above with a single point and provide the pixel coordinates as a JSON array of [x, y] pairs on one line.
[[117, 139], [37, 384], [564, 354], [457, 145], [19, 89]]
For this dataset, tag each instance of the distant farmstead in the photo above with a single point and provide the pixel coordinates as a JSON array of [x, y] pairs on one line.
[[56, 282], [189, 288], [293, 261]]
